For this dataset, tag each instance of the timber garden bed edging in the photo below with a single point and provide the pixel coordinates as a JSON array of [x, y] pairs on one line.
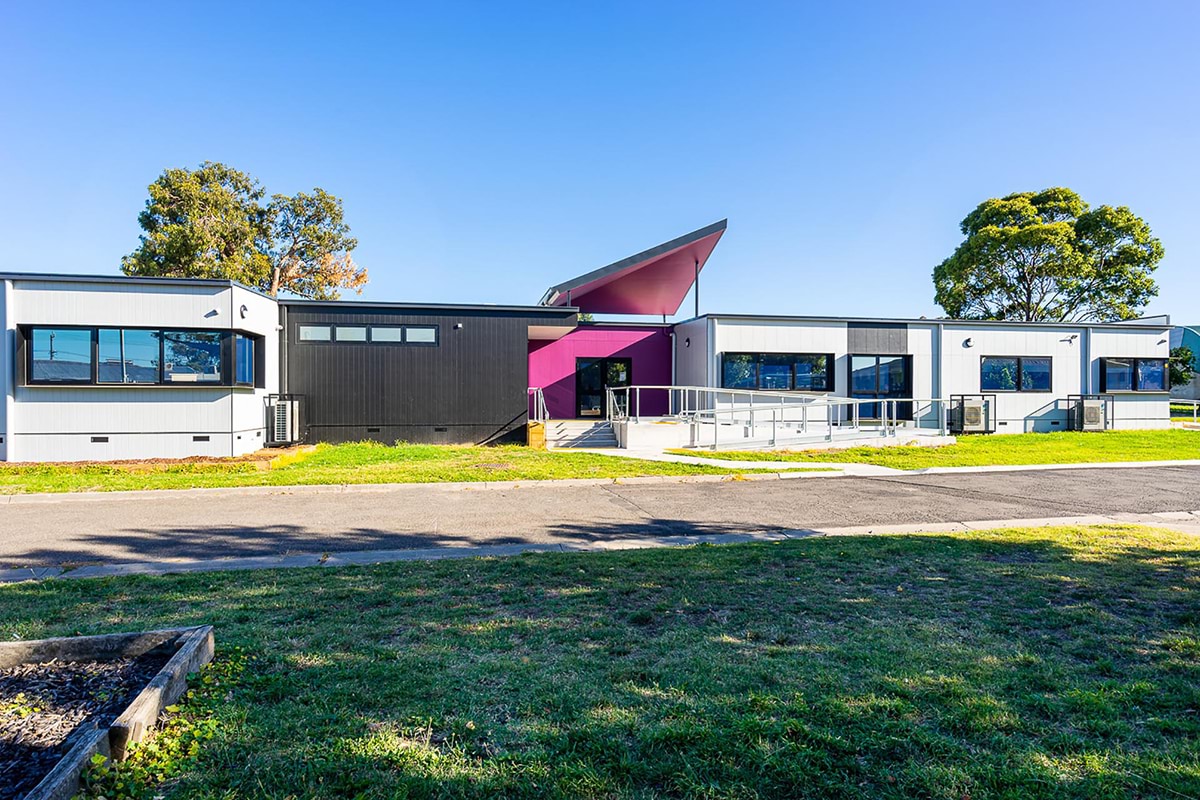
[[189, 648]]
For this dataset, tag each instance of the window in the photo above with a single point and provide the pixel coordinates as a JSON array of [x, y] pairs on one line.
[[881, 377], [192, 356], [420, 334], [739, 371], [803, 372], [243, 360], [1133, 375], [392, 334], [127, 356], [139, 356], [60, 355], [314, 333], [375, 334], [1014, 374]]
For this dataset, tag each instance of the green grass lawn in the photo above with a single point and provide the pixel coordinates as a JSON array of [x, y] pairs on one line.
[[1031, 663], [1067, 447], [348, 463]]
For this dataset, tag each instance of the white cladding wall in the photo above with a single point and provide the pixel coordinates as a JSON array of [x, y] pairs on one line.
[[58, 423], [1073, 370], [691, 353], [7, 375]]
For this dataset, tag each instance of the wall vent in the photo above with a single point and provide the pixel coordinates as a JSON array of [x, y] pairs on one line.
[[99, 440], [199, 438]]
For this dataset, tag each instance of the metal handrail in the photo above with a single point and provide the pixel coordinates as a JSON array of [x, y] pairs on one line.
[[540, 412], [702, 404], [1178, 401]]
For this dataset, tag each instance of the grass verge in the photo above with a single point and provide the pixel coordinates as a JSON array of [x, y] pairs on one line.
[[1066, 447], [364, 462], [1030, 663]]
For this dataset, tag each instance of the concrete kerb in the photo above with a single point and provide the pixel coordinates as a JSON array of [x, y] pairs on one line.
[[1183, 521]]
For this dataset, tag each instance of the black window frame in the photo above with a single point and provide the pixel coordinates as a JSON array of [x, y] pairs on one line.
[[26, 334], [903, 410], [830, 371], [228, 357], [370, 339], [1134, 363], [1020, 376]]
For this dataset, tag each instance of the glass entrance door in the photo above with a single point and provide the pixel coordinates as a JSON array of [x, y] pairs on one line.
[[592, 375]]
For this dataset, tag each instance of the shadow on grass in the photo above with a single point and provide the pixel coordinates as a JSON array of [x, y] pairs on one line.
[[1028, 664]]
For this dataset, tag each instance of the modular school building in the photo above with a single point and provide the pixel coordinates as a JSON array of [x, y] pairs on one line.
[[96, 368]]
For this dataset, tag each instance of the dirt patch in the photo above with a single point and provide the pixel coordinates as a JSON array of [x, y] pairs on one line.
[[43, 705], [260, 459]]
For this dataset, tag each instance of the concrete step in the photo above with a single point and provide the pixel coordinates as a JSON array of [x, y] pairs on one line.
[[579, 434]]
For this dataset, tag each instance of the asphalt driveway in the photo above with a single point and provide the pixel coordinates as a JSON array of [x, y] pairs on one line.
[[222, 523]]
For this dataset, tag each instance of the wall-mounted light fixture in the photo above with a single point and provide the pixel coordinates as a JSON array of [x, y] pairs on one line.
[[458, 326], [968, 342], [243, 311], [687, 341]]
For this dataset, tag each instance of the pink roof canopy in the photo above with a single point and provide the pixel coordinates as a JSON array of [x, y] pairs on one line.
[[654, 281]]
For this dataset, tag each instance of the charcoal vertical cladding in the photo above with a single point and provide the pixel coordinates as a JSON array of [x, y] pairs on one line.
[[468, 387]]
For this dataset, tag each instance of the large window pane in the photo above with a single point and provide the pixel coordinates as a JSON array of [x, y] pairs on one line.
[[738, 371], [1151, 375], [1118, 375], [812, 374], [863, 373], [775, 372], [1035, 375], [893, 377], [243, 360], [61, 355], [998, 374], [127, 356], [192, 356]]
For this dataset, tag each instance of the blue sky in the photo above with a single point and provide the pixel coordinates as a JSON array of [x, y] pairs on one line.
[[486, 151]]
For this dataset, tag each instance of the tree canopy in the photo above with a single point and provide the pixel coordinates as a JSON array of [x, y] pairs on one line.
[[1049, 257], [211, 222], [1182, 366]]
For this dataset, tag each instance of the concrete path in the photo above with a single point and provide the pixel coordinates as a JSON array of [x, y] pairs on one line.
[[268, 522]]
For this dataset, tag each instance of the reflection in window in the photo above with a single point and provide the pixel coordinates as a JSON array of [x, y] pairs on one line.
[[775, 372], [127, 356], [1035, 375], [61, 355], [739, 371], [997, 374], [1133, 375], [881, 377], [1014, 374], [243, 360], [805, 372], [191, 356], [1151, 375]]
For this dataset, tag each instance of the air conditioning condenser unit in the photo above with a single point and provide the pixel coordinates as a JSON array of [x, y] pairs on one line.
[[283, 422], [970, 416], [1091, 415]]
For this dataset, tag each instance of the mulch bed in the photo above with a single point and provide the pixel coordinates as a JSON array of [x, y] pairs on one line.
[[42, 705]]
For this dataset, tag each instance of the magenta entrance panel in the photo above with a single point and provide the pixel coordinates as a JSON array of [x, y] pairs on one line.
[[654, 281], [552, 364]]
